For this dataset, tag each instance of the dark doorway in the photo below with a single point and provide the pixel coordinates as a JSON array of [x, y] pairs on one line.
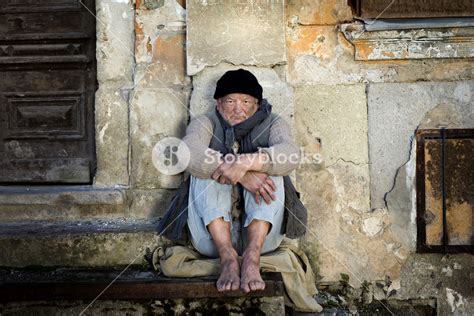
[[47, 86]]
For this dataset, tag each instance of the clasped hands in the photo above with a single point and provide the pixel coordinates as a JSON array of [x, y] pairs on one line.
[[240, 169]]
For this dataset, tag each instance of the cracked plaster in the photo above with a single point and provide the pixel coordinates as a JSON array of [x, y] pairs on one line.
[[395, 112]]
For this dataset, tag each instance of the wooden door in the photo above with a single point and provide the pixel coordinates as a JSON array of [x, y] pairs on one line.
[[47, 86]]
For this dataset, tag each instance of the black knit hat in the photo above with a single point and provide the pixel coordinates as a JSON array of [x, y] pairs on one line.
[[238, 81]]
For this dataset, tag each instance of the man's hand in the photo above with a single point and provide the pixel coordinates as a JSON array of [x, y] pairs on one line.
[[260, 184], [231, 171], [234, 167]]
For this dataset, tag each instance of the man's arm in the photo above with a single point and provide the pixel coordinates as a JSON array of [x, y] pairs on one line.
[[204, 160], [234, 167], [284, 155], [278, 159], [253, 170]]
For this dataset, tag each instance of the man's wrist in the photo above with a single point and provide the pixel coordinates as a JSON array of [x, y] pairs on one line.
[[243, 162], [253, 162]]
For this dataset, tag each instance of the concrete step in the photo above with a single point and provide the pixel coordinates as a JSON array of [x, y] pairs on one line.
[[95, 243], [77, 202], [53, 202]]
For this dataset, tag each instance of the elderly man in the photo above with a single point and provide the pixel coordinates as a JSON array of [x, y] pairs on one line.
[[239, 152]]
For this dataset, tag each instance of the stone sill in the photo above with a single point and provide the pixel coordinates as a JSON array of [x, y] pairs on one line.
[[47, 195], [426, 43], [22, 203], [99, 226], [76, 244]]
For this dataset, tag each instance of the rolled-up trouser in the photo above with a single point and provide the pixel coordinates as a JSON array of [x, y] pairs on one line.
[[209, 200]]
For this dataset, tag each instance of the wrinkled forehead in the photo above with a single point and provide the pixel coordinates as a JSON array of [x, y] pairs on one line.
[[238, 96]]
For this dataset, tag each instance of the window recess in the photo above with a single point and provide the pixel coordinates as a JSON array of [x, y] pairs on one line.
[[445, 190]]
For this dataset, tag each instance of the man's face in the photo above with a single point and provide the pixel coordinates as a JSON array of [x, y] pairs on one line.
[[237, 107]]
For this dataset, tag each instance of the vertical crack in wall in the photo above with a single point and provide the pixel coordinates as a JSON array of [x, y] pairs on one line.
[[190, 94], [412, 138]]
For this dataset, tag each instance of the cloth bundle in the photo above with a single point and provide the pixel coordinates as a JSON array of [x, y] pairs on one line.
[[291, 262]]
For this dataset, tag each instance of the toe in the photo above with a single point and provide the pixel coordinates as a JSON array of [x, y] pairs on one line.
[[254, 285], [257, 285], [245, 287], [235, 286]]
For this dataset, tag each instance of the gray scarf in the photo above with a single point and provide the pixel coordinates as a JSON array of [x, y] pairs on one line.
[[241, 132]]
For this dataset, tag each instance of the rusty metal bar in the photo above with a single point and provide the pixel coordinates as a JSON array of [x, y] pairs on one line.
[[443, 185]]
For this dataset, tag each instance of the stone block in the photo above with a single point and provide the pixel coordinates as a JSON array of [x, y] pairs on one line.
[[115, 40], [155, 114], [321, 55], [352, 187], [337, 200], [150, 204], [76, 250], [160, 32], [60, 203], [396, 110], [166, 66], [276, 90], [243, 33], [448, 279], [319, 41], [112, 140], [337, 117], [319, 11], [315, 54]]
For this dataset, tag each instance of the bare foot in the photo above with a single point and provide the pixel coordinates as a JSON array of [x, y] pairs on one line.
[[250, 276], [229, 278]]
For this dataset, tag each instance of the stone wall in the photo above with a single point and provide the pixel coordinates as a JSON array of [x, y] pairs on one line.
[[353, 106], [364, 114]]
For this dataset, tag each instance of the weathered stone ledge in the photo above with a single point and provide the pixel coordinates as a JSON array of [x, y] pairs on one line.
[[20, 203], [454, 42], [79, 195], [48, 228], [107, 245]]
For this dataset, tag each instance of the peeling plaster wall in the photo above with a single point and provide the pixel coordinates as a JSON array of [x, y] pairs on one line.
[[158, 62], [361, 117]]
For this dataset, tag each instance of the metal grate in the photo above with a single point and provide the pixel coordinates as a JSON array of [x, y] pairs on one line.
[[445, 190]]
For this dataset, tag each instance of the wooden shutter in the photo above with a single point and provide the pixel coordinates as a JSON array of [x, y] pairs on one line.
[[413, 8]]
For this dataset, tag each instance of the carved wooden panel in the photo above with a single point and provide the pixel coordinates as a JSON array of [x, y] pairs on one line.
[[54, 116], [47, 87]]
